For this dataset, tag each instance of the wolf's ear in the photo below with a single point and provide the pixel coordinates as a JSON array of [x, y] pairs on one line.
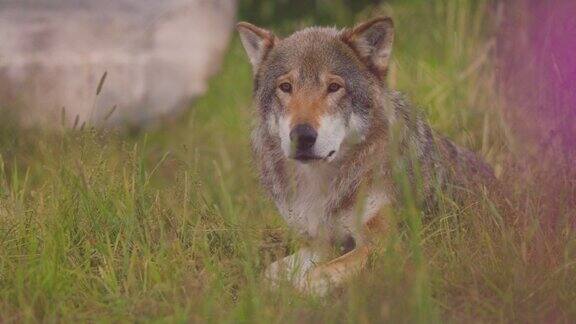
[[372, 41], [256, 41]]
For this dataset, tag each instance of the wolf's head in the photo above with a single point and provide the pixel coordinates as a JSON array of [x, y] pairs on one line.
[[316, 89]]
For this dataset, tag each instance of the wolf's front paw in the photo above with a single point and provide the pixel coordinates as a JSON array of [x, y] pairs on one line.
[[323, 278], [318, 282], [293, 269]]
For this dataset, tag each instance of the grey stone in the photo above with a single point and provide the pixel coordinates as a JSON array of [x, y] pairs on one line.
[[158, 55]]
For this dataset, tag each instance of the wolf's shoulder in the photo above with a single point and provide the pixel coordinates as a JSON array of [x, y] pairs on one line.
[[404, 111], [402, 105], [433, 147]]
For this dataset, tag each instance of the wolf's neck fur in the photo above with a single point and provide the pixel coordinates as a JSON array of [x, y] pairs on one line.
[[309, 193]]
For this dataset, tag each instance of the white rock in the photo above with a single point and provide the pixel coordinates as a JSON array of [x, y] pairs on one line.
[[158, 56]]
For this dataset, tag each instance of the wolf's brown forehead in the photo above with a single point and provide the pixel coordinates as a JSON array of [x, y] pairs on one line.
[[314, 51]]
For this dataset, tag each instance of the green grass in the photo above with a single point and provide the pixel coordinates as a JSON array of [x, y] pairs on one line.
[[172, 226]]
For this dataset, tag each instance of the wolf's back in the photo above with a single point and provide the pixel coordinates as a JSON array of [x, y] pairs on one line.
[[464, 162], [441, 161]]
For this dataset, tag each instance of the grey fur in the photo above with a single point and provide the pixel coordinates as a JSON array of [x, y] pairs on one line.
[[393, 136]]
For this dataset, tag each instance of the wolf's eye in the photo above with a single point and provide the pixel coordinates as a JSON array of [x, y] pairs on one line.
[[333, 87], [285, 87]]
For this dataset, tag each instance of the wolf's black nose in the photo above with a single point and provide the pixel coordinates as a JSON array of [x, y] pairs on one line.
[[304, 136]]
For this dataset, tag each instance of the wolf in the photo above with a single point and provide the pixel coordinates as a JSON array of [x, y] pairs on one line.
[[328, 137]]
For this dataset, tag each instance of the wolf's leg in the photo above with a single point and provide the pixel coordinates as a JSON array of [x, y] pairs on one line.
[[293, 268], [333, 273], [323, 277]]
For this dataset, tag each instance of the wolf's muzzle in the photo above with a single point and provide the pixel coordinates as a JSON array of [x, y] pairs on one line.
[[303, 136]]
